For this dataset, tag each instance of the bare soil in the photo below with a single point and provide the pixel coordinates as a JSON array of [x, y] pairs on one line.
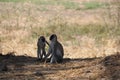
[[29, 68]]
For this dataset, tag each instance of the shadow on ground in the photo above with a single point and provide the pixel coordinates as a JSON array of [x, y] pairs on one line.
[[26, 67], [112, 64]]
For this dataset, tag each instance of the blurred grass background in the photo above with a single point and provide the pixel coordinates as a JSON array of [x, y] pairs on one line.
[[85, 28]]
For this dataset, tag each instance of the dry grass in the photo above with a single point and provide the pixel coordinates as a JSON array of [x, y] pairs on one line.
[[83, 32]]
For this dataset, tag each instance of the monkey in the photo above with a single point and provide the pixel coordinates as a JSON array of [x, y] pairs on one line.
[[41, 47], [55, 50]]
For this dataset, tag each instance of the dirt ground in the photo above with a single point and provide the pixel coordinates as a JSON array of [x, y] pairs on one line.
[[29, 68]]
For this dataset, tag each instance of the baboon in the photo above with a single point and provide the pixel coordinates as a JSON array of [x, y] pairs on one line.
[[55, 49], [41, 47]]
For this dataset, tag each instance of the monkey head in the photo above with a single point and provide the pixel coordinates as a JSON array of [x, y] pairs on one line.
[[53, 37], [42, 38]]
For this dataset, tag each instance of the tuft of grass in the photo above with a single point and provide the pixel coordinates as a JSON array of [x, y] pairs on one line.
[[92, 5], [44, 2], [69, 5]]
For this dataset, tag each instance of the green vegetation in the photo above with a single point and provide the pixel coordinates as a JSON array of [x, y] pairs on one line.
[[69, 4], [66, 3], [12, 0], [93, 5]]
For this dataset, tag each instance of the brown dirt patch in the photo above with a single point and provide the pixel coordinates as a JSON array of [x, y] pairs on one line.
[[25, 67]]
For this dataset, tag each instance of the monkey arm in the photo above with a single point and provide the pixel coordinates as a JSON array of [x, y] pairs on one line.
[[48, 54], [49, 50], [47, 43], [39, 52]]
